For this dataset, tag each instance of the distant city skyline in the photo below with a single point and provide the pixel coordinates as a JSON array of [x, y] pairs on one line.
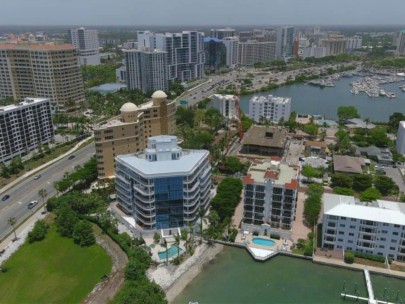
[[208, 12]]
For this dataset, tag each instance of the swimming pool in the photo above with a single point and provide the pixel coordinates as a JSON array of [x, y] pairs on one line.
[[263, 242], [172, 251]]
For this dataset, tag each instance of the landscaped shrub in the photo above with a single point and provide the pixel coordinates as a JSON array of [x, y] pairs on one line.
[[38, 232], [255, 233], [371, 257], [349, 257], [275, 236], [83, 234]]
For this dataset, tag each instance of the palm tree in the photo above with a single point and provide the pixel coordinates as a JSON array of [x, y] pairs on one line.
[[167, 254], [12, 221], [43, 193], [367, 121], [203, 219], [177, 243]]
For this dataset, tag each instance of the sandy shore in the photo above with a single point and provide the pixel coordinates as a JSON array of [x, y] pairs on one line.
[[174, 279]]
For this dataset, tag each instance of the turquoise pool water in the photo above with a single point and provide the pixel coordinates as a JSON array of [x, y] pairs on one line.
[[172, 251], [263, 242]]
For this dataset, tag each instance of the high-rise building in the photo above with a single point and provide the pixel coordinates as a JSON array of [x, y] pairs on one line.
[[314, 51], [164, 186], [129, 132], [375, 228], [285, 42], [86, 42], [269, 196], [232, 51], [24, 126], [215, 53], [271, 108], [185, 52], [401, 43], [335, 44], [227, 105], [252, 52], [354, 43], [401, 138], [222, 33], [146, 70], [41, 70]]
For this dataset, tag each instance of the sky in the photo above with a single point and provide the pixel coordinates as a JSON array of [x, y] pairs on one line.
[[201, 12]]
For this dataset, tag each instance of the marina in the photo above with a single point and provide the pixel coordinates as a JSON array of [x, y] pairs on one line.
[[370, 85], [311, 99]]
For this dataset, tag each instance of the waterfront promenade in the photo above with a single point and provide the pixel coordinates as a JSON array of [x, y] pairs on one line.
[[340, 263]]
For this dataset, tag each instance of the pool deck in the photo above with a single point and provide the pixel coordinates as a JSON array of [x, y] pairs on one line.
[[261, 252], [158, 247]]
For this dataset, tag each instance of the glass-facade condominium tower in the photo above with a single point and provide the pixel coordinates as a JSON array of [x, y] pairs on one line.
[[164, 186], [185, 52]]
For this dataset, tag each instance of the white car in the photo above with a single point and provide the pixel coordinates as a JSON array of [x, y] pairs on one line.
[[32, 204]]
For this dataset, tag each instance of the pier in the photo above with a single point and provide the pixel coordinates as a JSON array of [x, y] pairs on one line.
[[370, 299]]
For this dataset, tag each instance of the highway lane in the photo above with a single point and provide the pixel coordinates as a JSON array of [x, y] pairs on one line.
[[27, 190]]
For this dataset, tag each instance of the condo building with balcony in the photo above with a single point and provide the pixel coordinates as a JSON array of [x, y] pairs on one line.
[[128, 132], [24, 126], [376, 228], [163, 186], [41, 70], [269, 197]]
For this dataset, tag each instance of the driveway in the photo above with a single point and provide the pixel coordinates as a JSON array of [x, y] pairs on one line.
[[396, 177]]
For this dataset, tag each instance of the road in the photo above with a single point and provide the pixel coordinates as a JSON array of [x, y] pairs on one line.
[[260, 79], [27, 190]]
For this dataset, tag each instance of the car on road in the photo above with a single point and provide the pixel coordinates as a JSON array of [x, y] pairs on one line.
[[32, 204], [5, 197], [37, 176], [71, 157]]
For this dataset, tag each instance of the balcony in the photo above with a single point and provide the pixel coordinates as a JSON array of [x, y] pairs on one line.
[[143, 189], [195, 186], [140, 212], [144, 222], [193, 211], [144, 199], [146, 207]]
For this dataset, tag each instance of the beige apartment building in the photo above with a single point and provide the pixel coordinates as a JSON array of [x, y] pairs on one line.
[[41, 70], [335, 44], [128, 133]]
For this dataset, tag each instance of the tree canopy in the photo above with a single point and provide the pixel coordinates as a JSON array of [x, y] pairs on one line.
[[370, 194], [347, 112]]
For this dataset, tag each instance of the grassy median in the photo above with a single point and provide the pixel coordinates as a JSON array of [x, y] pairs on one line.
[[54, 270]]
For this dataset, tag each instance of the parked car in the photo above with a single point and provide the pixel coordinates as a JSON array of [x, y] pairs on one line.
[[71, 157], [5, 197], [37, 176], [32, 204]]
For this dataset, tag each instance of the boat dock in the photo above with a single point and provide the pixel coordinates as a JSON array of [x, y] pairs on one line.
[[370, 299]]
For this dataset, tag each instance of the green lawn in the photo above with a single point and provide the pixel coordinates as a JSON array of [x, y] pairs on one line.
[[54, 270]]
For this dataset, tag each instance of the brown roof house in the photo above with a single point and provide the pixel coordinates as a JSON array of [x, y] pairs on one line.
[[265, 141], [316, 148], [348, 164]]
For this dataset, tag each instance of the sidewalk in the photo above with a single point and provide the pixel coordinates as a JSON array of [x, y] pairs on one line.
[[340, 263], [33, 171], [22, 231]]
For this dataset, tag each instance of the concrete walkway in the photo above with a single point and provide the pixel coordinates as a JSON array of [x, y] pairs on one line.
[[340, 263], [33, 171], [9, 246]]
